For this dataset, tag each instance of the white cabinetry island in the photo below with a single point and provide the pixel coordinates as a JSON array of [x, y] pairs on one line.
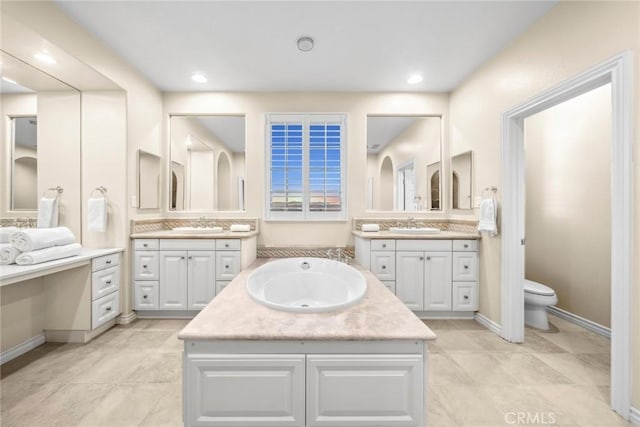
[[248, 365]]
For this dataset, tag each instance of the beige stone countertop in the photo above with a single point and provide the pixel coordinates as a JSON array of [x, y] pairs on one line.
[[234, 315], [169, 234], [443, 235]]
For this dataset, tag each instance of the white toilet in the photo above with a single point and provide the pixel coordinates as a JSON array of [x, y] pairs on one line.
[[537, 297]]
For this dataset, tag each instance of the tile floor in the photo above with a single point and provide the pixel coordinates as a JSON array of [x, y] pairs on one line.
[[130, 376]]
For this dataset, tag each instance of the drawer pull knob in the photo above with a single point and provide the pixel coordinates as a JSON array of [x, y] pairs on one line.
[[466, 297], [466, 267], [144, 296], [421, 258], [384, 267], [190, 257], [181, 257], [384, 245], [226, 245], [226, 266], [108, 282], [145, 245], [108, 261], [108, 308], [466, 245], [144, 266], [428, 258]]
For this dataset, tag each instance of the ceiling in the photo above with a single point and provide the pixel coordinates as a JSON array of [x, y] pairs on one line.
[[359, 45], [228, 129], [381, 130]]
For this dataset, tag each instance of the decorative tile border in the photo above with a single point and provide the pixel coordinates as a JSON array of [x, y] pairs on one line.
[[292, 252], [23, 222], [465, 226], [160, 224]]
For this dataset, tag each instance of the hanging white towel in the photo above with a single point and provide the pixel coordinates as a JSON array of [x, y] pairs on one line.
[[32, 239], [48, 212], [8, 254], [6, 232], [48, 254], [488, 214], [97, 214]]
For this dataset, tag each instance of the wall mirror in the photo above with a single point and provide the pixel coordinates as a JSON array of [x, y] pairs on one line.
[[148, 180], [404, 157], [461, 180], [207, 163], [21, 89]]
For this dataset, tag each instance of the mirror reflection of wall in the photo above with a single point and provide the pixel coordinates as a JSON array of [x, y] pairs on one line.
[[461, 173], [207, 163], [148, 180], [400, 153], [24, 188]]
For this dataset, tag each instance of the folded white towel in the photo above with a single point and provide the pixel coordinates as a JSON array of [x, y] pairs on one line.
[[32, 239], [6, 232], [240, 227], [488, 213], [97, 215], [48, 254], [48, 212], [8, 254], [370, 227]]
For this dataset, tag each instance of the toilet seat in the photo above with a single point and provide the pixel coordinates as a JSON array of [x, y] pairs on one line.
[[537, 288]]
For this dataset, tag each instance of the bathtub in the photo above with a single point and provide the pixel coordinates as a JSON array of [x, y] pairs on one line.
[[306, 285]]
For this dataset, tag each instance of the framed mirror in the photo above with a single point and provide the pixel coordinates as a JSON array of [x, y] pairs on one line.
[[461, 180], [148, 180], [207, 163], [404, 156]]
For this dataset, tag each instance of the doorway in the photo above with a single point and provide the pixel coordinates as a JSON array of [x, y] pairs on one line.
[[618, 72]]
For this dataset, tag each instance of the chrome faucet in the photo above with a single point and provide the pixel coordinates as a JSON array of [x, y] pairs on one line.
[[202, 222], [411, 222]]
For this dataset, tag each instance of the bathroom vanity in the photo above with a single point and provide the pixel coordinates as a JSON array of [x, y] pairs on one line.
[[435, 275], [249, 365]]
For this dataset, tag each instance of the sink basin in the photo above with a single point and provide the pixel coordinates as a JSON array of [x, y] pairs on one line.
[[197, 230], [306, 285], [417, 230]]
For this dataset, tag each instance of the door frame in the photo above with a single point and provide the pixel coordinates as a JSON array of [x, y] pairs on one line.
[[617, 71]]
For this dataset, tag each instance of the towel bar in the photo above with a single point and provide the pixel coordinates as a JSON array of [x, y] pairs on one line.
[[59, 190]]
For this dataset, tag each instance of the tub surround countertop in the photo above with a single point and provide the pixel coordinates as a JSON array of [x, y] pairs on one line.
[[234, 315], [443, 235], [170, 234], [13, 273]]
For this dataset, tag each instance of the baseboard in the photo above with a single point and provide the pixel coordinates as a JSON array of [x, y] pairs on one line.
[[125, 319], [444, 315], [488, 323], [166, 314], [22, 348], [580, 321], [76, 336], [634, 416]]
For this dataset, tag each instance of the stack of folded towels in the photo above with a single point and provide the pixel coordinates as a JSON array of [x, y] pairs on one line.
[[35, 245]]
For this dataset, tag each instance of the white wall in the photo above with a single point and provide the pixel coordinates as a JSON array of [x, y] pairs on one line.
[[571, 38]]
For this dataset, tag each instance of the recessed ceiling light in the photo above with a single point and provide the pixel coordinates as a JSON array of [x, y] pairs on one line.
[[200, 78], [305, 43], [414, 79], [45, 57], [8, 80]]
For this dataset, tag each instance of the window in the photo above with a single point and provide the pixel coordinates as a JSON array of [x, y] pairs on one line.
[[305, 166]]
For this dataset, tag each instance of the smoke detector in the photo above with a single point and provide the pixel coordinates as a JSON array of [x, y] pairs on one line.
[[305, 43]]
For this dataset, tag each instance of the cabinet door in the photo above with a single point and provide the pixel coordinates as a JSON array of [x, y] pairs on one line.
[[146, 265], [245, 390], [173, 280], [201, 278], [410, 279], [364, 390], [383, 265], [437, 286], [227, 264]]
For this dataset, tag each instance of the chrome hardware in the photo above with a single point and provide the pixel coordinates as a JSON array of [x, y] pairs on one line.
[[305, 265], [144, 296], [144, 266], [190, 257], [226, 266], [108, 308], [181, 257], [226, 245], [466, 297], [466, 267], [108, 282], [466, 245], [421, 258], [384, 245], [108, 261], [428, 258], [384, 267], [145, 245]]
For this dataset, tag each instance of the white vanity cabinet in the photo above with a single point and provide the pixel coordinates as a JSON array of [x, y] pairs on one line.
[[182, 274], [105, 289], [434, 275]]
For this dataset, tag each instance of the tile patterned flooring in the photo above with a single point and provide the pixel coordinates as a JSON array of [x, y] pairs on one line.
[[131, 376]]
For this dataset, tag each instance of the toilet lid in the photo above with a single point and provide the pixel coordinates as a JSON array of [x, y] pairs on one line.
[[537, 288]]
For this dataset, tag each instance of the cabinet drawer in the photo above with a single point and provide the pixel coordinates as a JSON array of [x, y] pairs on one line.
[[146, 296], [147, 244], [104, 309], [383, 265], [228, 244], [220, 285], [383, 245], [465, 266], [390, 285], [187, 244], [146, 265], [423, 245], [105, 262], [104, 282], [465, 245], [465, 296], [227, 264]]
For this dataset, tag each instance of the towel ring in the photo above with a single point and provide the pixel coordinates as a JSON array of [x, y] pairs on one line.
[[493, 190], [57, 189], [101, 189]]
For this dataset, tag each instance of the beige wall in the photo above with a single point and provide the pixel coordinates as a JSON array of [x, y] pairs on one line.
[[25, 178], [572, 37], [21, 312], [568, 203], [255, 106]]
